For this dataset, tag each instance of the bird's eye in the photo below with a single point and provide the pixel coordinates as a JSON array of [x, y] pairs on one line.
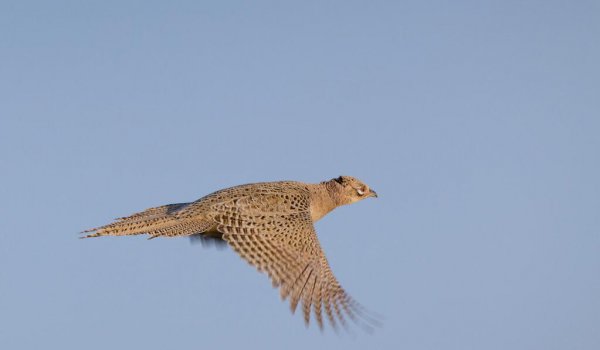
[[360, 192]]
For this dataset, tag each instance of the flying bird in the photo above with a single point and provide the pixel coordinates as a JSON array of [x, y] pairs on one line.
[[270, 225]]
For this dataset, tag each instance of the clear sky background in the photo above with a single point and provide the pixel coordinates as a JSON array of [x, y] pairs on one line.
[[477, 122]]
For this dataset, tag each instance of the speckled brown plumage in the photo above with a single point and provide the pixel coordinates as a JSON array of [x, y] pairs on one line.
[[270, 225]]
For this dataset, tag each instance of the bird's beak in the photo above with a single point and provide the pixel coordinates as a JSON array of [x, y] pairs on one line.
[[373, 194]]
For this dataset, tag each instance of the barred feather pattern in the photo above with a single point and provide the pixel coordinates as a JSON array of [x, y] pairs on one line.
[[275, 233], [158, 221]]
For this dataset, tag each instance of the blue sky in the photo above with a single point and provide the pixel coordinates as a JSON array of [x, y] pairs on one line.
[[476, 122]]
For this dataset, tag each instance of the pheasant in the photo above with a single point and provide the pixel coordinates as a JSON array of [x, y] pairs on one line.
[[270, 225]]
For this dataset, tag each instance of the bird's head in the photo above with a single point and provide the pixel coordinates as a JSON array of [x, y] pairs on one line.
[[353, 190]]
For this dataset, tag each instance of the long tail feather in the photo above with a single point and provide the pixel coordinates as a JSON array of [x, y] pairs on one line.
[[158, 221]]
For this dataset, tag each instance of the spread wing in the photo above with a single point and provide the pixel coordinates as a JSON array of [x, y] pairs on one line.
[[278, 238]]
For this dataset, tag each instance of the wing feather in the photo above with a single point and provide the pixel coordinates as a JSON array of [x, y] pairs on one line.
[[276, 235]]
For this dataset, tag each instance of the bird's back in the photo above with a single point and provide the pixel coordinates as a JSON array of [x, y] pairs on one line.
[[294, 192]]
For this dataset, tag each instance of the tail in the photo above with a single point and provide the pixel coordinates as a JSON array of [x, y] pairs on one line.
[[159, 221]]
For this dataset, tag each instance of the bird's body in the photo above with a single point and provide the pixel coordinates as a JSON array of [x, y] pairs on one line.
[[270, 225]]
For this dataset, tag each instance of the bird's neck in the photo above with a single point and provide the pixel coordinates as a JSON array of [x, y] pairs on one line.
[[325, 198]]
